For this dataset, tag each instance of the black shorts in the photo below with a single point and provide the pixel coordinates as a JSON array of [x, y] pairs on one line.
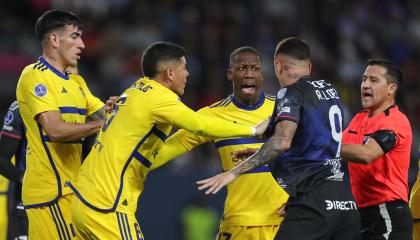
[[390, 220], [18, 222], [328, 212]]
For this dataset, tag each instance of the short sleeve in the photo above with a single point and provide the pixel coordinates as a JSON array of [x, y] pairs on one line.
[[36, 93], [288, 105], [13, 124]]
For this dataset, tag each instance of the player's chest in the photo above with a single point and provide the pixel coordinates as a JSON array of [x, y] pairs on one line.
[[69, 93], [360, 129]]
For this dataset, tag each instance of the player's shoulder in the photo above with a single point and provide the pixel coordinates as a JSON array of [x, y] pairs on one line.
[[12, 116], [14, 106], [33, 72], [77, 78], [290, 91], [269, 97], [221, 103], [392, 116]]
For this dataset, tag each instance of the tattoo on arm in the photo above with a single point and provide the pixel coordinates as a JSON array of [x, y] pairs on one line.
[[98, 115], [273, 147]]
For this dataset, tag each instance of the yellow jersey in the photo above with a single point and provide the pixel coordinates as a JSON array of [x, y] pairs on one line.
[[415, 198], [113, 174], [254, 198], [43, 88]]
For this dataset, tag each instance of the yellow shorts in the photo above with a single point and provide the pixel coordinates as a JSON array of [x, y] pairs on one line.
[[91, 224], [248, 233], [51, 222], [416, 230]]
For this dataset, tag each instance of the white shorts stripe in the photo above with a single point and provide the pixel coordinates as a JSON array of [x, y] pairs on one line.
[[385, 215]]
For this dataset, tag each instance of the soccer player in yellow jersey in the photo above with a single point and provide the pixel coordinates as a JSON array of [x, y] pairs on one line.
[[112, 176], [415, 207], [253, 200], [55, 107]]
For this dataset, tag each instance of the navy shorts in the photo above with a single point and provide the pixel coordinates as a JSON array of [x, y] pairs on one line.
[[326, 212]]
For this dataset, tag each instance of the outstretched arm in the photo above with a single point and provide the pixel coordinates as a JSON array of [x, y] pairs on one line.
[[275, 145], [178, 144]]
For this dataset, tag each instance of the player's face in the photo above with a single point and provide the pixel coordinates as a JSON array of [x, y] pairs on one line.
[[70, 45], [247, 77], [179, 77], [375, 90]]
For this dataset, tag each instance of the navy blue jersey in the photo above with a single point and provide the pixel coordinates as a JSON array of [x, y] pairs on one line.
[[315, 151], [13, 143]]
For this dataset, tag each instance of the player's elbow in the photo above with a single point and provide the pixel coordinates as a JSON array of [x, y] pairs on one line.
[[282, 145], [54, 134]]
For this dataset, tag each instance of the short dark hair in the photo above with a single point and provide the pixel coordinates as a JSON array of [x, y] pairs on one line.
[[244, 49], [393, 71], [160, 52], [293, 47], [54, 19]]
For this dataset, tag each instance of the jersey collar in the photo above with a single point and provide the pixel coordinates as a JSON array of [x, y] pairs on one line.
[[387, 110], [53, 69], [252, 107]]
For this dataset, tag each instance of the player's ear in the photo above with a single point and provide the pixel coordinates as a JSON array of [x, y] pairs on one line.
[[277, 63], [392, 89], [169, 73], [53, 39]]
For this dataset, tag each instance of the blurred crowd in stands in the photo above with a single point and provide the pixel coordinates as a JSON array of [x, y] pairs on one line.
[[342, 34]]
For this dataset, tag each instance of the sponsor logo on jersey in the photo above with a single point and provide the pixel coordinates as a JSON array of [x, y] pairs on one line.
[[340, 205], [40, 90]]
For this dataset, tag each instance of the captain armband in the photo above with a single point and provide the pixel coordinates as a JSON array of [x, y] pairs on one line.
[[386, 139]]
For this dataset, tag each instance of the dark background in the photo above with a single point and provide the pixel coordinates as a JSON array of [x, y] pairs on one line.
[[342, 35]]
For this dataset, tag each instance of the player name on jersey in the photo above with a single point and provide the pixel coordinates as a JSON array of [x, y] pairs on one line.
[[327, 94]]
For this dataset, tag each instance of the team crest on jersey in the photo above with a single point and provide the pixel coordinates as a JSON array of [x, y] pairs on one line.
[[281, 93], [8, 119], [40, 90]]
